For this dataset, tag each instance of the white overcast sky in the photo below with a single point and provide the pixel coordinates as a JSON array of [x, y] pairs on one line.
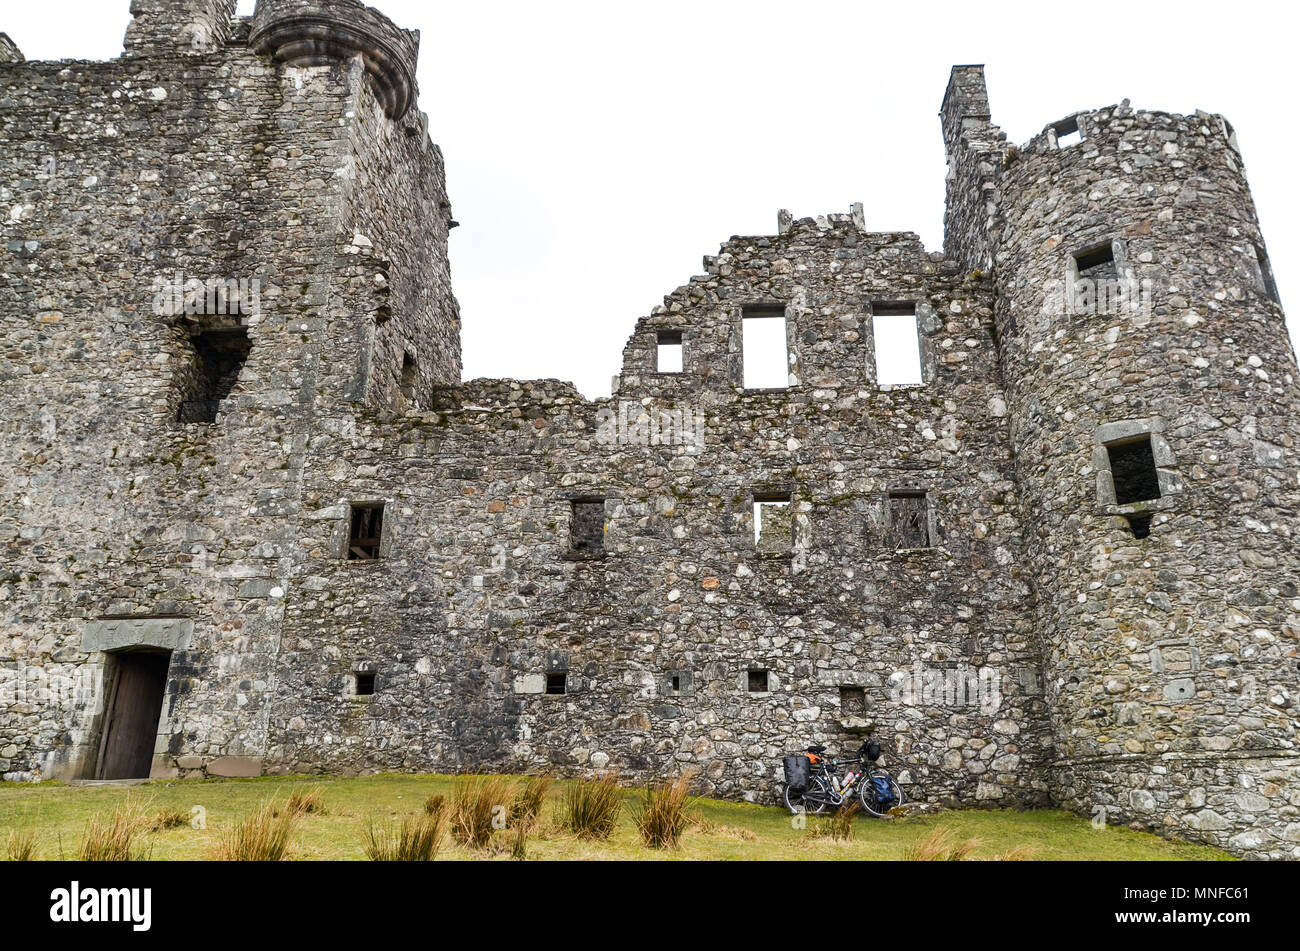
[[596, 151]]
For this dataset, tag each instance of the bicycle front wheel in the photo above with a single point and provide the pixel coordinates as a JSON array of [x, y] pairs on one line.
[[870, 800]]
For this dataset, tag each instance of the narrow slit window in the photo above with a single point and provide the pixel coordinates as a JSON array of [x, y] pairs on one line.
[[898, 344], [909, 520], [773, 523], [675, 684], [764, 349], [218, 358], [587, 527], [1097, 264], [1267, 284], [670, 356], [758, 681], [1133, 470], [1068, 133], [365, 683], [410, 376], [557, 683], [365, 532], [853, 701]]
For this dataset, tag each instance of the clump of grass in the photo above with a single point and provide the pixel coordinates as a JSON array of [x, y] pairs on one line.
[[838, 826], [528, 801], [304, 802], [591, 807], [414, 840], [475, 803], [435, 804], [166, 819], [261, 836], [941, 845], [111, 837], [1021, 853], [20, 845], [663, 815], [519, 842]]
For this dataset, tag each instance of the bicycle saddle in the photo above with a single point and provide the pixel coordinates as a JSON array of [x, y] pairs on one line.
[[816, 749]]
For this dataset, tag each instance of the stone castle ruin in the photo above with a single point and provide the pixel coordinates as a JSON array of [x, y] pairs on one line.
[[254, 522]]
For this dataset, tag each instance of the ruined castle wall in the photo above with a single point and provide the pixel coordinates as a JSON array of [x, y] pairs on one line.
[[478, 596], [1171, 659], [217, 165]]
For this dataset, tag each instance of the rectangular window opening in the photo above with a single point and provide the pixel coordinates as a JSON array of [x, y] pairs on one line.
[[365, 531], [1097, 264], [1133, 470], [365, 683], [670, 355], [557, 684], [410, 376], [587, 526], [218, 358], [853, 701], [897, 343], [909, 520], [1068, 133], [773, 523], [758, 681], [764, 349], [1139, 525], [675, 684]]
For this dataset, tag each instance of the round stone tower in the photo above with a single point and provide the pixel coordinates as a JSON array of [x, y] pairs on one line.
[[1155, 415], [320, 32]]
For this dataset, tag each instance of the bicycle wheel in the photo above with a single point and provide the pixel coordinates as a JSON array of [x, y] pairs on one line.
[[867, 795], [816, 797]]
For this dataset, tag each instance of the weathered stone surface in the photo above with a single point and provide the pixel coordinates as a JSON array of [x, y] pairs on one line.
[[953, 570]]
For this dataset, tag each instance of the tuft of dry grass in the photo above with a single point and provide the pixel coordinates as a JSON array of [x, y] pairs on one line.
[[166, 819], [476, 805], [663, 816], [20, 845], [941, 845], [304, 802], [838, 826], [435, 804], [591, 807], [416, 839], [519, 842], [112, 837], [530, 798], [1021, 853], [261, 836]]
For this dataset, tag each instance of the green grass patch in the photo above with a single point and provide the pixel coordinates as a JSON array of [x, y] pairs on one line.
[[55, 817]]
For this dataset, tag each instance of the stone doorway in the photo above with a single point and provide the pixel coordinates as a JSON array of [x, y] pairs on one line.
[[135, 701]]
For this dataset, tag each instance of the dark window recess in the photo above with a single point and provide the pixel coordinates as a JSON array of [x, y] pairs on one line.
[[1266, 274], [675, 683], [670, 354], [1140, 525], [909, 520], [853, 701], [365, 684], [410, 375], [758, 681], [365, 532], [557, 684], [1133, 469], [219, 355], [587, 528], [1098, 264]]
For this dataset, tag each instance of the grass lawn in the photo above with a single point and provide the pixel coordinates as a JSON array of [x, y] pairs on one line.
[[722, 830]]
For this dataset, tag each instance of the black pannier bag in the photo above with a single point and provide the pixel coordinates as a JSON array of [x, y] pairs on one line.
[[796, 771], [873, 751]]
